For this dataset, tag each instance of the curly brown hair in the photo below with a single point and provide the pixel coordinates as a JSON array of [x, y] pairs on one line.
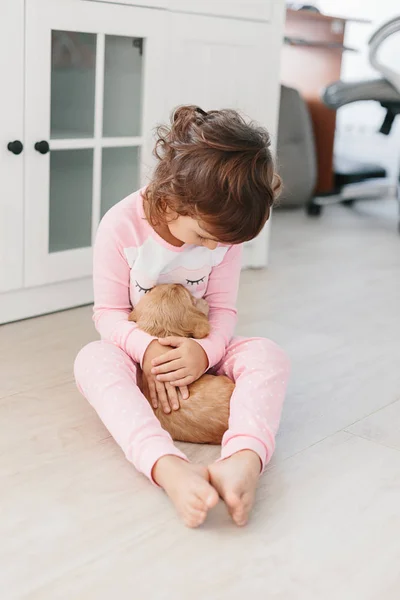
[[215, 167]]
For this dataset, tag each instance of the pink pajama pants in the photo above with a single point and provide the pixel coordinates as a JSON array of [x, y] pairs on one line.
[[106, 376]]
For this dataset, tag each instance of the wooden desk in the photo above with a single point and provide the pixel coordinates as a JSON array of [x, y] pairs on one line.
[[311, 60]]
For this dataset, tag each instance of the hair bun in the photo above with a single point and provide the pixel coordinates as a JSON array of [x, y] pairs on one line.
[[184, 119], [188, 112]]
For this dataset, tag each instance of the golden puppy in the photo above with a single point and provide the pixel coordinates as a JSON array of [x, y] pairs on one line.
[[170, 309]]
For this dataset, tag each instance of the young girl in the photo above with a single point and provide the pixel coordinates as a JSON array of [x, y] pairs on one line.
[[212, 190]]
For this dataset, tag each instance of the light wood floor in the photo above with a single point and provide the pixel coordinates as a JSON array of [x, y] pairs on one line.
[[78, 523]]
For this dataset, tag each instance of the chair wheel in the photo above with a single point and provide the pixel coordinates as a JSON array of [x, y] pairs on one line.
[[348, 202], [313, 210]]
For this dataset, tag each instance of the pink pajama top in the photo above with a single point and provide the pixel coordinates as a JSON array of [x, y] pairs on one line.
[[130, 258]]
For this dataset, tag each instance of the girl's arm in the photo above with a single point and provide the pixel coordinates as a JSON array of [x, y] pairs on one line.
[[221, 295], [112, 304]]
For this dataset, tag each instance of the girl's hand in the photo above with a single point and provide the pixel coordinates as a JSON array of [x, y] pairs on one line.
[[161, 393], [181, 366]]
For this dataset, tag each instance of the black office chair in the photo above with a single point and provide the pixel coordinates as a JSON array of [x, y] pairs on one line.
[[355, 180]]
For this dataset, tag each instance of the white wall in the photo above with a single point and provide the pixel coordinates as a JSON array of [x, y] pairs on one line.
[[357, 124]]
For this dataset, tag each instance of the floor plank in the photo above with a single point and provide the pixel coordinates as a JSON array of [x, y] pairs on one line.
[[383, 426]]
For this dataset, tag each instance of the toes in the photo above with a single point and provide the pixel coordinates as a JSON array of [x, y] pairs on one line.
[[207, 495], [239, 508], [194, 518], [240, 518], [212, 498], [233, 503], [198, 504]]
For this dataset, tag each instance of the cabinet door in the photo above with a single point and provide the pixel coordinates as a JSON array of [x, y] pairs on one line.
[[91, 74], [226, 63], [11, 154]]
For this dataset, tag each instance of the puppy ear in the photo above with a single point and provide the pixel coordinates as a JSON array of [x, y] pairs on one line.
[[132, 316], [202, 306], [197, 324]]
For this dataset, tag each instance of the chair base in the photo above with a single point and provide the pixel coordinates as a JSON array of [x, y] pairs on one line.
[[354, 181], [370, 189]]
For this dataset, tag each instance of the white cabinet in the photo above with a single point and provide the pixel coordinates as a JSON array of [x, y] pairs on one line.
[[11, 144], [91, 72], [84, 84]]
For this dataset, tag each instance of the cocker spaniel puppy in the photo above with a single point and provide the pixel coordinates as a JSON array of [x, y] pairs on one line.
[[170, 310]]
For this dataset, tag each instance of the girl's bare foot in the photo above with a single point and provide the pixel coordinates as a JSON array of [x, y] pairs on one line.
[[187, 486], [236, 479]]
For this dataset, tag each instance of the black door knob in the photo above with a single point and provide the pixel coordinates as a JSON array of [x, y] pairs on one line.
[[15, 147], [42, 147]]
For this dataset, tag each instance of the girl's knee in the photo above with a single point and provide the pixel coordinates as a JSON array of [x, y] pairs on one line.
[[88, 351], [100, 357], [270, 351], [88, 356], [84, 358]]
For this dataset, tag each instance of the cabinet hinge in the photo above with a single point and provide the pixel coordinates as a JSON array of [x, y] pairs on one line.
[[138, 43]]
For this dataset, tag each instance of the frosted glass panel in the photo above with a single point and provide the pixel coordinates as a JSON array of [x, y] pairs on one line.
[[73, 62], [122, 108], [71, 175], [120, 175]]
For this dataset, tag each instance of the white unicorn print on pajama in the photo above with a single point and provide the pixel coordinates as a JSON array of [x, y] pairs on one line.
[[152, 263]]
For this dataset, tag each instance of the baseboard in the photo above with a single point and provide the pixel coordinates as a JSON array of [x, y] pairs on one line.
[[32, 302]]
